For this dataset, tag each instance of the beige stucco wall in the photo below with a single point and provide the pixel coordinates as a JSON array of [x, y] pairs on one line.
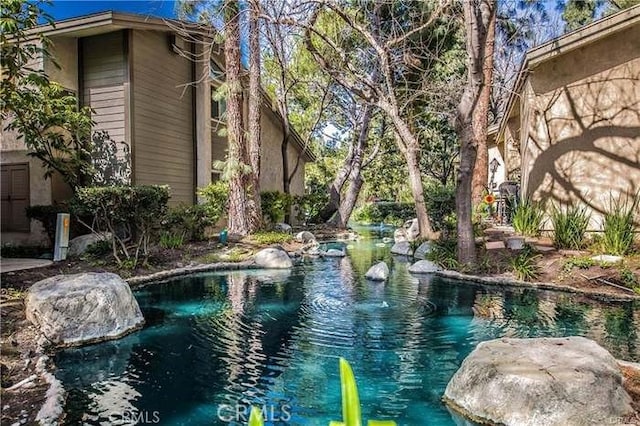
[[270, 155], [582, 140], [65, 52], [271, 178]]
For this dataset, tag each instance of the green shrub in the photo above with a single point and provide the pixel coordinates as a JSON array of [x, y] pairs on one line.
[[170, 240], [275, 205], [308, 206], [524, 265], [189, 221], [618, 227], [441, 205], [440, 202], [569, 227], [271, 237], [385, 212], [527, 218], [444, 252], [582, 262], [216, 199], [130, 213], [629, 278]]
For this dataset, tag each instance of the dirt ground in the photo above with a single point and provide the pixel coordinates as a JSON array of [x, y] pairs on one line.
[[554, 267], [17, 362]]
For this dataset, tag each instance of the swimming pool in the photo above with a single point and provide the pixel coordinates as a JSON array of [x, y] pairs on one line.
[[215, 344]]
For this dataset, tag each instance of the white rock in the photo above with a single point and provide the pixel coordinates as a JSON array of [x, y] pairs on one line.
[[422, 250], [305, 237], [313, 251], [335, 253], [83, 308], [378, 272], [515, 243], [607, 258], [545, 381], [273, 258], [413, 231], [79, 245], [424, 267], [283, 227], [399, 235], [402, 248]]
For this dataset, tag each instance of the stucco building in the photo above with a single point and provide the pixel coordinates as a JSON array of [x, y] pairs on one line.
[[139, 76], [571, 130]]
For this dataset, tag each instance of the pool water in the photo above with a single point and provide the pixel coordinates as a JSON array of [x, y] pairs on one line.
[[217, 343]]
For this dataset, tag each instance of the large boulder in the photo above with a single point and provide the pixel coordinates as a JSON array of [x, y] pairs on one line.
[[335, 253], [422, 250], [273, 258], [400, 235], [79, 245], [402, 248], [413, 230], [544, 381], [378, 272], [305, 237], [71, 310], [283, 227], [424, 267]]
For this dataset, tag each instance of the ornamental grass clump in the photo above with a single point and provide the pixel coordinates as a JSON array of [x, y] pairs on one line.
[[569, 227], [527, 218], [618, 227], [525, 264]]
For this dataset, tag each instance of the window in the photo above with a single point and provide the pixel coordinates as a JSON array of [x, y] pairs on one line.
[[218, 107], [215, 72]]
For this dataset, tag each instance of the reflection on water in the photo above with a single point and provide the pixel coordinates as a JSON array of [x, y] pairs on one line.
[[217, 340]]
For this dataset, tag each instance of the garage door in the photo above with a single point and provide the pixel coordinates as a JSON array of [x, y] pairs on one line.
[[15, 197]]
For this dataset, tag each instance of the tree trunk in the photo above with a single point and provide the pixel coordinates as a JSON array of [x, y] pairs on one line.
[[417, 190], [335, 189], [331, 212], [410, 148], [349, 200], [478, 15], [238, 223], [480, 118], [353, 167], [464, 207], [254, 209]]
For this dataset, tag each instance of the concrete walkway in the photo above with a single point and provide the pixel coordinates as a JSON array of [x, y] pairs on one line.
[[10, 264]]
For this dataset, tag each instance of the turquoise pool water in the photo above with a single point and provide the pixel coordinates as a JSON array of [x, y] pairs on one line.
[[215, 344]]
